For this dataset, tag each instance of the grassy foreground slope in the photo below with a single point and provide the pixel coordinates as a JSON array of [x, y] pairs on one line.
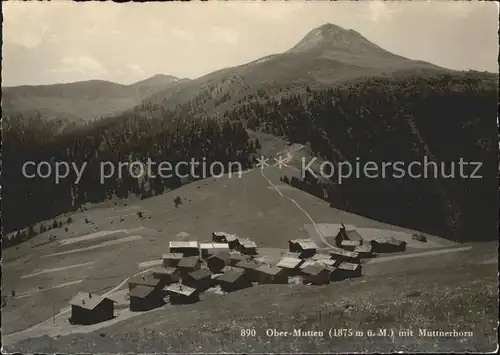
[[443, 297]]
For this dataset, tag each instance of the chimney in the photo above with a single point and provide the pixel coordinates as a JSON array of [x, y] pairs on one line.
[[90, 295], [83, 301]]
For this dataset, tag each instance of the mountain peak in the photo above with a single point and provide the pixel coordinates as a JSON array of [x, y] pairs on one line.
[[330, 36]]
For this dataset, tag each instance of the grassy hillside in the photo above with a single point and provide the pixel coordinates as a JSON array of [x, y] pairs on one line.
[[87, 100], [442, 297], [403, 118]]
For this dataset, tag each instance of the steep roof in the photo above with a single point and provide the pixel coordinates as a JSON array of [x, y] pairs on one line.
[[269, 269], [141, 291], [313, 270], [180, 289], [87, 300], [200, 274], [348, 266], [289, 263], [247, 243], [230, 276], [353, 235], [172, 256], [305, 244], [189, 261]]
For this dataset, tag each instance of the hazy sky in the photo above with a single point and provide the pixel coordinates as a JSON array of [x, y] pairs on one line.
[[45, 43]]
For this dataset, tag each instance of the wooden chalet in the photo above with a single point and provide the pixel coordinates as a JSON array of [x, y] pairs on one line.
[[223, 237], [269, 274], [199, 279], [171, 259], [233, 280], [305, 247], [290, 265], [387, 245], [364, 251], [190, 248], [209, 249], [189, 264], [344, 255], [247, 246], [347, 270], [145, 298], [350, 245], [144, 280], [88, 308], [216, 263], [167, 275], [182, 294], [315, 274]]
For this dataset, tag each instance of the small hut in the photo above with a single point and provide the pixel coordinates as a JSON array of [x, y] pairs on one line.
[[216, 263], [198, 279], [387, 245], [182, 294], [144, 280], [171, 259], [247, 246], [189, 264], [344, 255], [233, 280], [185, 248], [167, 275], [364, 251], [305, 247], [145, 298], [269, 274], [347, 270], [290, 265], [88, 308], [316, 275]]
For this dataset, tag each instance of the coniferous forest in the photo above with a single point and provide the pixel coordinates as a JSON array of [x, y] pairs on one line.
[[126, 138], [402, 117]]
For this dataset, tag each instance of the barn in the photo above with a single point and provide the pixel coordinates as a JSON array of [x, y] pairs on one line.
[[88, 308], [250, 268], [247, 246], [145, 298], [344, 255], [182, 294], [209, 249], [305, 247], [145, 280], [233, 280], [216, 263], [350, 245], [185, 248], [364, 251], [347, 270], [387, 245], [269, 274], [345, 234], [198, 279], [171, 259], [316, 275], [166, 276], [290, 265]]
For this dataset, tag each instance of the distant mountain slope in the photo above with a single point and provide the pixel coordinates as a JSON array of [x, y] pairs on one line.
[[326, 55], [86, 100]]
